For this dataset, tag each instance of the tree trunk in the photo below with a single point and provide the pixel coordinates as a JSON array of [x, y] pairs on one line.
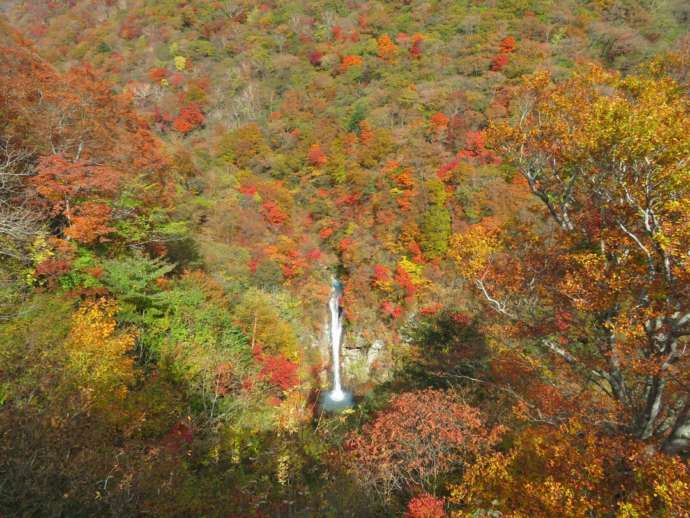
[[679, 441]]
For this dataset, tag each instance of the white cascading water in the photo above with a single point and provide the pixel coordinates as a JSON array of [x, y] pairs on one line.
[[337, 393]]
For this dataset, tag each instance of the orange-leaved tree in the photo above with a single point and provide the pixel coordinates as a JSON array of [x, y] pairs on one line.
[[81, 142], [573, 471], [601, 284]]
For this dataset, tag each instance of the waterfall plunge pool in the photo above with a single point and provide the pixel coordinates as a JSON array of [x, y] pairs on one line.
[[329, 404]]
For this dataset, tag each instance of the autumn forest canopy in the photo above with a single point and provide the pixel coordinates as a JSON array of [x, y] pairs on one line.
[[501, 187]]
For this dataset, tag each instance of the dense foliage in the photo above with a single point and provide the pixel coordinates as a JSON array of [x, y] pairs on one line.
[[501, 187]]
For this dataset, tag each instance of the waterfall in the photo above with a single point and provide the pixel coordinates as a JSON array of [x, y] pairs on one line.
[[336, 399], [337, 393]]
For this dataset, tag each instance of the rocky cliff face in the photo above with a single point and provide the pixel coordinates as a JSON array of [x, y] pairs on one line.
[[364, 361]]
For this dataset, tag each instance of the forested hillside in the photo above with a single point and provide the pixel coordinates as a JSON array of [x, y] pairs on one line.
[[501, 187]]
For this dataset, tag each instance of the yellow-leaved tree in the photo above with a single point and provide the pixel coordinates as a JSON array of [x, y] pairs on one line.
[[97, 361]]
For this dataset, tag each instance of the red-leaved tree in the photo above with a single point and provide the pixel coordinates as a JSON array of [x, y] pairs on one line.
[[426, 506], [415, 441]]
